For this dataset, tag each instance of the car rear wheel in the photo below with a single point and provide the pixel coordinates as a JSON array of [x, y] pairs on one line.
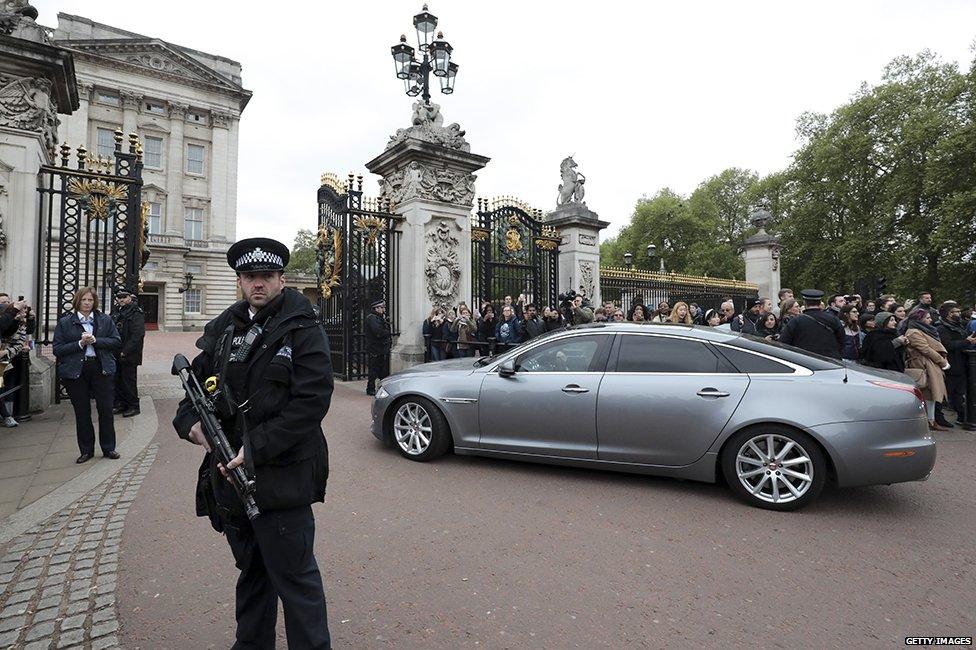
[[774, 467], [420, 430]]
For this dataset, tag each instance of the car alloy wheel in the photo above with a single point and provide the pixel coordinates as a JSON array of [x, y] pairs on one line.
[[412, 428], [774, 468]]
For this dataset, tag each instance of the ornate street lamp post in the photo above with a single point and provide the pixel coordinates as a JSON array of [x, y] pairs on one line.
[[436, 59]]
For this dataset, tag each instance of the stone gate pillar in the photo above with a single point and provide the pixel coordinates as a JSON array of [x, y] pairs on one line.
[[427, 171], [579, 251], [38, 82], [761, 255], [38, 79]]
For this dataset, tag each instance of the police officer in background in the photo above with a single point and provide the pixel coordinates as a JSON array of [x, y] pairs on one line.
[[815, 330], [274, 377], [379, 340], [131, 323]]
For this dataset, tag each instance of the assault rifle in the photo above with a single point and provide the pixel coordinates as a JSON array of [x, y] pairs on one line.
[[214, 433]]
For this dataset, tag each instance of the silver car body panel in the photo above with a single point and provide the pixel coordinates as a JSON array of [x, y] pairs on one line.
[[529, 417]]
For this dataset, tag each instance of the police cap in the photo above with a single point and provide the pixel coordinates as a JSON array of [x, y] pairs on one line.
[[812, 294], [379, 302], [258, 254]]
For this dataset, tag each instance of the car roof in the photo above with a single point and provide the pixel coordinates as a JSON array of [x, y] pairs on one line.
[[691, 331]]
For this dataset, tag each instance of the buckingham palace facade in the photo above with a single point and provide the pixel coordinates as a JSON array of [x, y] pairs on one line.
[[186, 107]]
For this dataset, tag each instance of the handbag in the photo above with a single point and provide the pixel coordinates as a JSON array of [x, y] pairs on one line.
[[919, 376]]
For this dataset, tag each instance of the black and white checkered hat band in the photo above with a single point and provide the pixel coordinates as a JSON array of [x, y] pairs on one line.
[[261, 258]]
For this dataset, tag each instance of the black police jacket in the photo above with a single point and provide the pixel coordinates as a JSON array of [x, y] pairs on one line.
[[288, 392], [815, 331], [379, 338], [131, 322]]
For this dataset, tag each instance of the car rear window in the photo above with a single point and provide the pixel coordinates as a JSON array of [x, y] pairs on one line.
[[753, 363], [789, 353]]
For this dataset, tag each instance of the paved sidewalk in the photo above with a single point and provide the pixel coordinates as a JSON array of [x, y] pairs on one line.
[[39, 456], [58, 580]]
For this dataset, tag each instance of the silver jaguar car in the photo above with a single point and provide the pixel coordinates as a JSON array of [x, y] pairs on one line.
[[672, 400]]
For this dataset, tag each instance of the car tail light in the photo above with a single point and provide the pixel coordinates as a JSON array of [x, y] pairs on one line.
[[908, 388]]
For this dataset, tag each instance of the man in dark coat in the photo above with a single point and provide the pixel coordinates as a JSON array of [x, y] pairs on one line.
[[379, 341], [747, 321], [271, 360], [815, 330], [131, 323], [956, 340], [533, 325]]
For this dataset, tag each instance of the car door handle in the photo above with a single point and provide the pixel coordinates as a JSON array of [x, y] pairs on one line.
[[711, 392], [573, 388]]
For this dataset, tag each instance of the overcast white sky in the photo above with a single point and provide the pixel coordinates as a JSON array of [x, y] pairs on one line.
[[645, 94]]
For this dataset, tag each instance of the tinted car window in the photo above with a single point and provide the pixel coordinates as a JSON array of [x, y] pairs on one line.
[[748, 362], [785, 352], [575, 354], [664, 354]]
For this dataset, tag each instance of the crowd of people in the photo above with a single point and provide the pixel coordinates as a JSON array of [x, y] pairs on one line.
[[914, 336]]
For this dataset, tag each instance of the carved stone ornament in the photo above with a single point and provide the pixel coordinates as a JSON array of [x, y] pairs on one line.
[[442, 267], [130, 99], [3, 211], [428, 126], [587, 283], [221, 119], [161, 63], [16, 15], [571, 188], [419, 181], [27, 103]]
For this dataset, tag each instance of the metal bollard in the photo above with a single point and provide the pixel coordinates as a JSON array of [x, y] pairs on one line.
[[970, 423]]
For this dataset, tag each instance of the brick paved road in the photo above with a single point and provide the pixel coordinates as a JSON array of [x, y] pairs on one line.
[[58, 580]]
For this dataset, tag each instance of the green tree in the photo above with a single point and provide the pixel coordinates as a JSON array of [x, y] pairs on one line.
[[302, 258], [884, 185]]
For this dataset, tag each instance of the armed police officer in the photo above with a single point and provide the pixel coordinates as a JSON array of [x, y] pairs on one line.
[[379, 340], [815, 330], [273, 375], [131, 323]]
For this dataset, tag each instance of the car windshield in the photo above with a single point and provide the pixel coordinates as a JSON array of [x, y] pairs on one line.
[[810, 360]]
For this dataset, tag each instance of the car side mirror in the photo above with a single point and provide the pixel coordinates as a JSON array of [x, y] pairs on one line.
[[507, 368]]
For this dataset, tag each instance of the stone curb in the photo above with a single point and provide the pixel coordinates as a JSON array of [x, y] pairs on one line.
[[143, 431]]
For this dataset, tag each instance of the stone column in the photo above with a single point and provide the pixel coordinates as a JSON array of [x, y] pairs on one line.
[[130, 111], [39, 83], [219, 170], [761, 255], [579, 251], [174, 170], [428, 172]]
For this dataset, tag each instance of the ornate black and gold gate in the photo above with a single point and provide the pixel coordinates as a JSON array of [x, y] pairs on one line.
[[513, 253], [91, 229], [356, 254]]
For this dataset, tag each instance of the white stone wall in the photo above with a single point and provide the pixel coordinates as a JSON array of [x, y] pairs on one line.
[[162, 93]]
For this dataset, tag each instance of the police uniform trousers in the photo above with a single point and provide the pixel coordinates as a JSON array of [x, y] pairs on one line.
[[126, 389], [92, 383], [274, 555], [379, 368]]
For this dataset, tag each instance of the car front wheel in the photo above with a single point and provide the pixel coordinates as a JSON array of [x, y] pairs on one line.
[[420, 431], [774, 467]]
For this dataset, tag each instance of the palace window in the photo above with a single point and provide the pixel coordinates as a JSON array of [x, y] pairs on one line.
[[194, 158], [107, 97], [192, 301], [105, 142], [155, 218], [153, 152], [195, 269], [193, 223], [151, 266], [155, 107]]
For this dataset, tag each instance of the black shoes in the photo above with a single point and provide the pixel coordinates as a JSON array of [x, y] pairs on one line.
[[118, 409], [371, 393], [114, 455], [944, 423], [130, 413], [84, 458]]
